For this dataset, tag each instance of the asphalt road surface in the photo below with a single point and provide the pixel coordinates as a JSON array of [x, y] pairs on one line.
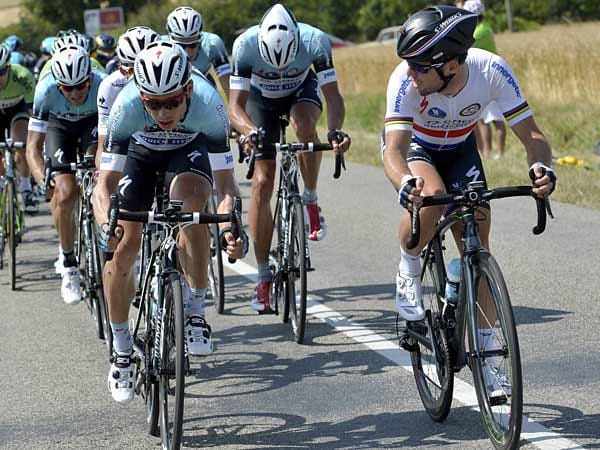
[[347, 387]]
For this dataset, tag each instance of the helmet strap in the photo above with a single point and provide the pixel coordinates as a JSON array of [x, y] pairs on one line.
[[445, 78]]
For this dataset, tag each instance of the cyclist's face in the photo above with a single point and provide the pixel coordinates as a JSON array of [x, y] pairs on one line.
[[191, 47], [426, 82], [169, 117], [78, 94]]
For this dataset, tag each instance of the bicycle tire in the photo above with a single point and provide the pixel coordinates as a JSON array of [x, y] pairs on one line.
[[12, 237], [278, 296], [215, 270], [503, 436], [172, 340], [3, 224], [148, 364], [432, 368], [297, 270], [101, 305]]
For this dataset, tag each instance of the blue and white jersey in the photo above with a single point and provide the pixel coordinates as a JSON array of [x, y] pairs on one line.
[[206, 116], [212, 53], [49, 102], [249, 69], [107, 94]]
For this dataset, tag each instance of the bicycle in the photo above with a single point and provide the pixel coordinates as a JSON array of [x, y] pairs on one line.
[[290, 259], [158, 330], [216, 276], [12, 222], [87, 252], [437, 343]]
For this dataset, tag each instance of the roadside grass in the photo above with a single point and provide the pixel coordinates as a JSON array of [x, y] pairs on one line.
[[556, 67]]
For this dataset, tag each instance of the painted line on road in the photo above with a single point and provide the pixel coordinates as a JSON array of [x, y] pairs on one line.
[[464, 393]]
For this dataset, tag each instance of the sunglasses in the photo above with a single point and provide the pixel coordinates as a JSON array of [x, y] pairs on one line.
[[185, 45], [420, 68], [168, 103], [78, 87], [4, 70]]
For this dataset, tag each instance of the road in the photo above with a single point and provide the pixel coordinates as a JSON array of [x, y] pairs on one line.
[[346, 388]]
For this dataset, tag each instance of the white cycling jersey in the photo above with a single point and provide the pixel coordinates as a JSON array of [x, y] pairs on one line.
[[441, 122], [107, 93]]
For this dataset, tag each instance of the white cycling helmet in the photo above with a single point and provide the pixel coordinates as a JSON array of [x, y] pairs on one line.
[[184, 23], [5, 55], [71, 65], [161, 68], [132, 42], [278, 37], [474, 6], [71, 38]]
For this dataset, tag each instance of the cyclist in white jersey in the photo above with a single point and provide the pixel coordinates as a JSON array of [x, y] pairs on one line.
[[130, 43], [434, 99], [272, 75], [184, 25]]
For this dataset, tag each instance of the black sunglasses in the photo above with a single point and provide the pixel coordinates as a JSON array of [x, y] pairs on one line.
[[169, 103], [421, 68]]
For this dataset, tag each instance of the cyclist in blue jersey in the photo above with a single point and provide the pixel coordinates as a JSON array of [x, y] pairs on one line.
[[63, 124], [272, 75], [169, 119], [184, 25]]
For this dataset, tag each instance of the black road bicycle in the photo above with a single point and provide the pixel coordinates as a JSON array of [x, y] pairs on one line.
[[11, 215], [448, 338], [290, 259], [158, 332], [87, 252]]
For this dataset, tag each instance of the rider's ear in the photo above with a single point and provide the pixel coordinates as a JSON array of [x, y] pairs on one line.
[[452, 66]]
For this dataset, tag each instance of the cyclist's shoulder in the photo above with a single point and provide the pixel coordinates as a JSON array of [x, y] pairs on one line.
[[21, 76], [248, 39], [204, 89], [210, 38]]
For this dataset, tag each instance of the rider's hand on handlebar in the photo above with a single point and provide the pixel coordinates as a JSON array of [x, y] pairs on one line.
[[251, 140], [105, 243], [544, 179], [235, 248], [410, 191], [339, 139]]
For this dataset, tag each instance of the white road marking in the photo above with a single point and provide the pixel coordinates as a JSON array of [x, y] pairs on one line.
[[531, 431]]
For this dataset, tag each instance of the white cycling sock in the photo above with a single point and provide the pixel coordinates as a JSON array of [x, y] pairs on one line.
[[409, 265], [488, 340], [195, 304], [25, 184], [309, 196], [122, 342]]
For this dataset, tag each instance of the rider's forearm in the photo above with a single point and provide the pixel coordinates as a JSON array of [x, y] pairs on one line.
[[394, 156], [106, 184], [538, 150], [336, 112], [33, 153], [227, 188]]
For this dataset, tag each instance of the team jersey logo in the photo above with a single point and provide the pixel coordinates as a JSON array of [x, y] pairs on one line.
[[470, 110], [124, 184], [436, 112]]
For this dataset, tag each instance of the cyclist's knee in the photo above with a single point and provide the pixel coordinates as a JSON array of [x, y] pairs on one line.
[[262, 187], [65, 194]]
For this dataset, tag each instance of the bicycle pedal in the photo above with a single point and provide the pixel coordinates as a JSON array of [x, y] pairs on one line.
[[310, 269], [266, 313], [497, 401]]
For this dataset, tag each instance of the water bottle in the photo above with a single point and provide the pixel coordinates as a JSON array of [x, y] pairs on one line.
[[453, 279]]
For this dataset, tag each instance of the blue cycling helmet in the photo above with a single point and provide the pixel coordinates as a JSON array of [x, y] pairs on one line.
[[13, 42], [47, 44]]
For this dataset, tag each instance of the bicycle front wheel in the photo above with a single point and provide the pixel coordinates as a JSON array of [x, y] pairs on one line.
[[172, 365], [216, 278], [11, 213], [431, 359], [497, 370], [296, 280]]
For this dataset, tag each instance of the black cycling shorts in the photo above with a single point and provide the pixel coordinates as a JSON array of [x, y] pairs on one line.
[[65, 139], [457, 167], [8, 116], [265, 112], [136, 187]]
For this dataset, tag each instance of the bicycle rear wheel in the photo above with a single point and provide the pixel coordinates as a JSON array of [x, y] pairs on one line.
[[172, 365], [431, 360], [10, 206], [296, 280], [498, 369]]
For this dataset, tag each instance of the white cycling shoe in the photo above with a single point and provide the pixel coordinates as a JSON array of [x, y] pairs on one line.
[[59, 266], [71, 286], [197, 336], [121, 378], [498, 385], [409, 298]]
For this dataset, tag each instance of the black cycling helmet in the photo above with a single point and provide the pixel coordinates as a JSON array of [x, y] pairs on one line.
[[436, 34]]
